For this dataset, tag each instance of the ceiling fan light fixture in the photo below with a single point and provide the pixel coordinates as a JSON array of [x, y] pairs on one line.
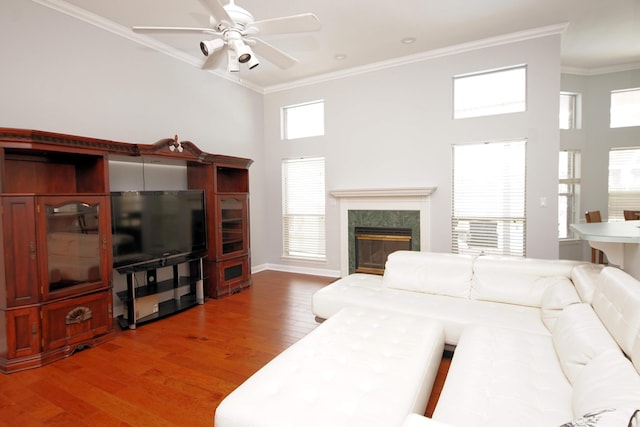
[[208, 47], [253, 62], [243, 51], [233, 66]]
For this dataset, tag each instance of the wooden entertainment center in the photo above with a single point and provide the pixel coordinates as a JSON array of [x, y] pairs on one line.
[[56, 275]]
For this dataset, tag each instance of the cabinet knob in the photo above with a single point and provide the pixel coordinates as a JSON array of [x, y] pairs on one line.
[[32, 250], [34, 329]]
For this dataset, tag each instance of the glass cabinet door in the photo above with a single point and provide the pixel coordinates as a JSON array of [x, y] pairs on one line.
[[233, 224], [75, 242]]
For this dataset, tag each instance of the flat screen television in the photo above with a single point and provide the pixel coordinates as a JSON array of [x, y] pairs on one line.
[[149, 226]]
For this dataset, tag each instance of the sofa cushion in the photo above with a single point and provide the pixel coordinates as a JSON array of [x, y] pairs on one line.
[[554, 299], [616, 300], [584, 278], [502, 377], [517, 280], [431, 272], [364, 290], [579, 337], [608, 381]]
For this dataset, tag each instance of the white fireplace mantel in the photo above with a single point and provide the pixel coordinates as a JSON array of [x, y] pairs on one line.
[[407, 198], [384, 192]]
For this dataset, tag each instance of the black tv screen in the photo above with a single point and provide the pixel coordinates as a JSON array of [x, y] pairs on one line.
[[154, 225]]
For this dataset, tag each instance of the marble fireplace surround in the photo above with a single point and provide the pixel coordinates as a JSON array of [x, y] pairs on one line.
[[386, 199]]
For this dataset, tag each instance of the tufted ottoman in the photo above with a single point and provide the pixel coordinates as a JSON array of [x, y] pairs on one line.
[[361, 367]]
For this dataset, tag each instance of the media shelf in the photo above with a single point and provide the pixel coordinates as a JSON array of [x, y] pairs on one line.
[[155, 300]]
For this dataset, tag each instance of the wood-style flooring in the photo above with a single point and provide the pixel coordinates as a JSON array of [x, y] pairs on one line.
[[172, 372]]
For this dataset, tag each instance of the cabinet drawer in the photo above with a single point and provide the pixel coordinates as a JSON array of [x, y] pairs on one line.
[[76, 320], [231, 276]]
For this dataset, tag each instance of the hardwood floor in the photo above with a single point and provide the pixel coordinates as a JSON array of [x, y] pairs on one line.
[[173, 372]]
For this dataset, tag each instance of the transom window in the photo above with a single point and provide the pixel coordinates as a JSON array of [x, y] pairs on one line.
[[625, 108], [490, 92], [569, 110], [303, 120]]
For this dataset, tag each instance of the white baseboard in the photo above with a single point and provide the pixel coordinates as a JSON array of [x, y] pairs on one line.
[[296, 269]]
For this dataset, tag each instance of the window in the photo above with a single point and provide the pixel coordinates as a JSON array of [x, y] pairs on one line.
[[624, 182], [489, 198], [568, 191], [303, 120], [490, 92], [303, 197], [625, 108], [569, 109]]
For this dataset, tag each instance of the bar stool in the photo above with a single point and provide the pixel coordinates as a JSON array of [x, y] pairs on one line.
[[594, 216]]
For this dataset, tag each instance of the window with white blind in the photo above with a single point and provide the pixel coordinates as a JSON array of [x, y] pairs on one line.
[[303, 208], [625, 108], [624, 182], [490, 92], [303, 120], [488, 212], [568, 191]]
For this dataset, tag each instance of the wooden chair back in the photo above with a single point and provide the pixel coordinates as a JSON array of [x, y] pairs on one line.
[[593, 216], [631, 215], [597, 256]]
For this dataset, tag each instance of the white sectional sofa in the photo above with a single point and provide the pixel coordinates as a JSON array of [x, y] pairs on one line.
[[537, 342], [460, 290]]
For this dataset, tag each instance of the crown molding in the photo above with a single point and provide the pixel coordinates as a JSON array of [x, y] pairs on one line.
[[76, 12], [602, 70], [125, 32], [424, 56]]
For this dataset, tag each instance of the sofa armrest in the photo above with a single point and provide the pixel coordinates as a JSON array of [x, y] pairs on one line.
[[415, 420]]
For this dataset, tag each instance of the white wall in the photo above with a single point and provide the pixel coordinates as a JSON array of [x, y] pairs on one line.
[[393, 128], [60, 74]]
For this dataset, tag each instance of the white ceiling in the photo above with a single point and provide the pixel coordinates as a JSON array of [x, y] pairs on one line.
[[600, 35]]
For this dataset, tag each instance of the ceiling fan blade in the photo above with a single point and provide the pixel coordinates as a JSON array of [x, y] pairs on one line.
[[288, 24], [140, 29], [217, 11], [272, 54]]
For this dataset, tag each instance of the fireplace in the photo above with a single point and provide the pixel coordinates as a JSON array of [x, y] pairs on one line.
[[374, 244], [385, 208], [382, 232]]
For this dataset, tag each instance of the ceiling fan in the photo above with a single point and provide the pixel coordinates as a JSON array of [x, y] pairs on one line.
[[234, 30]]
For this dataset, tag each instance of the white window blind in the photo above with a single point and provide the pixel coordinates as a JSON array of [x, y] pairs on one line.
[[490, 92], [488, 213], [624, 182], [303, 120], [568, 191], [304, 208]]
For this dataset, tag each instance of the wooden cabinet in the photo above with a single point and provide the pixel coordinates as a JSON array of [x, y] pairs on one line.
[[56, 269], [55, 275], [226, 183]]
